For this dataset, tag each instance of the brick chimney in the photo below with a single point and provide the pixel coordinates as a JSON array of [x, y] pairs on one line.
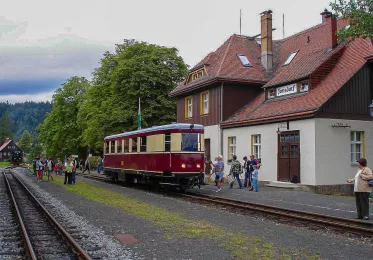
[[266, 41], [327, 17]]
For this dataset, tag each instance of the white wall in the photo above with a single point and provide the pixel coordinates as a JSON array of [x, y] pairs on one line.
[[268, 170], [213, 133], [333, 150]]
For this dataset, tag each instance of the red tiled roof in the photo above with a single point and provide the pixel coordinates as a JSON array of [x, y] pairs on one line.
[[223, 64], [5, 144], [327, 68], [350, 62]]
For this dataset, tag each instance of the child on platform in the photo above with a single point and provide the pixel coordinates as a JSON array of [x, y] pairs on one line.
[[255, 178]]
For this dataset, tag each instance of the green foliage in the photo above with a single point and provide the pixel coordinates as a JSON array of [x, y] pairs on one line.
[[136, 70], [5, 127], [25, 142], [60, 132], [36, 152], [25, 116], [360, 14]]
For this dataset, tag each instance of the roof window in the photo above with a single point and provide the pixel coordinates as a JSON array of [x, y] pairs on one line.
[[244, 61], [291, 57]]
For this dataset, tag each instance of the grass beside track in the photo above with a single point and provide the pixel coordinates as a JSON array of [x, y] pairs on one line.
[[4, 164], [175, 224]]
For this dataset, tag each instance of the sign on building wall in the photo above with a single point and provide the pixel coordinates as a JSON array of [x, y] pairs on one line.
[[286, 90]]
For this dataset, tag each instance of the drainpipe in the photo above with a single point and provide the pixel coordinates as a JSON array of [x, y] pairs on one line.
[[221, 117]]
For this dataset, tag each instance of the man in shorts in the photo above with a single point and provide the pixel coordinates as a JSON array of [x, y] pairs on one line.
[[50, 166]]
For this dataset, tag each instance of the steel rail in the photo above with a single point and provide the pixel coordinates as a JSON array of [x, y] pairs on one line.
[[81, 253], [29, 248], [327, 220], [351, 225]]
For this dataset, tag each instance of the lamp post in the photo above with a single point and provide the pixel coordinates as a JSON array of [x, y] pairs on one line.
[[370, 107]]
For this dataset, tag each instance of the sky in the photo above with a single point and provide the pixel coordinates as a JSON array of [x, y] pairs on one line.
[[44, 42]]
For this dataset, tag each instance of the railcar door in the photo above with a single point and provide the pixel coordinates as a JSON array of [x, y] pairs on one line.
[[289, 156]]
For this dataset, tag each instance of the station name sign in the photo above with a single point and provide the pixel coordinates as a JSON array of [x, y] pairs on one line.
[[286, 90]]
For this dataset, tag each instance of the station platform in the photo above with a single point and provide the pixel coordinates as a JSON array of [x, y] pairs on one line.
[[334, 205], [340, 206]]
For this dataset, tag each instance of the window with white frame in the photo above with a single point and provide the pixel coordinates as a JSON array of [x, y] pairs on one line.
[[188, 107], [256, 146], [204, 103], [231, 146], [357, 146]]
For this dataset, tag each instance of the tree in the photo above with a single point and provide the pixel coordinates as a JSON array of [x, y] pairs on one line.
[[36, 152], [360, 15], [59, 133], [25, 142], [136, 70], [5, 127]]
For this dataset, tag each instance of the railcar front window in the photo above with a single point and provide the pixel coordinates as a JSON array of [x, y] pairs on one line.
[[191, 142]]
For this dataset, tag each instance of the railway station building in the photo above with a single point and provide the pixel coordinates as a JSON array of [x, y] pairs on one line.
[[299, 104]]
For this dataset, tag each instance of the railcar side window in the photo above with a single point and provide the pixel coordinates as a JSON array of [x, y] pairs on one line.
[[134, 145], [107, 147], [119, 146], [190, 142], [126, 145], [143, 144], [167, 142], [112, 147]]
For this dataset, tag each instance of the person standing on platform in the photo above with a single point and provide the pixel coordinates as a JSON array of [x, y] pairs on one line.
[[34, 165], [87, 166], [235, 171], [73, 174], [100, 165], [49, 168], [245, 170], [254, 178], [68, 170], [207, 170], [250, 169], [39, 170], [362, 188], [219, 172]]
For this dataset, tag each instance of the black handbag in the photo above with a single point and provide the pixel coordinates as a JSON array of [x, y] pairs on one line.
[[370, 182]]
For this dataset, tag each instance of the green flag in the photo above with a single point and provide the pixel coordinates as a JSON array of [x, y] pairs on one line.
[[139, 117]]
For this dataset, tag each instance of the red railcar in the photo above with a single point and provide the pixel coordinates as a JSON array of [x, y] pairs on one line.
[[169, 155]]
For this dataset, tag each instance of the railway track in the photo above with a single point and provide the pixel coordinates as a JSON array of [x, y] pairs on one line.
[[32, 232], [337, 223]]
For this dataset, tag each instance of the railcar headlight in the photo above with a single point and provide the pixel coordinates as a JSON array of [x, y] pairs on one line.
[[183, 165], [198, 165]]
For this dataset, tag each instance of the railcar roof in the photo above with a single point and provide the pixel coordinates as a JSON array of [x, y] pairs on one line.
[[157, 128]]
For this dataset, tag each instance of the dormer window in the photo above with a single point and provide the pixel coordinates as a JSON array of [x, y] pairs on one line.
[[197, 74], [291, 57], [244, 60]]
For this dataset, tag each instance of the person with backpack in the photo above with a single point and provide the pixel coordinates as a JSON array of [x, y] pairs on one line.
[[250, 168], [49, 168], [236, 169]]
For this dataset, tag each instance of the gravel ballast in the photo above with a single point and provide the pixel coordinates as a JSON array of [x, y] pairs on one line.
[[154, 245]]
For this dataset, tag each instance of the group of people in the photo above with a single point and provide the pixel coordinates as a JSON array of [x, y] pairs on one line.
[[46, 166], [43, 166], [250, 169]]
